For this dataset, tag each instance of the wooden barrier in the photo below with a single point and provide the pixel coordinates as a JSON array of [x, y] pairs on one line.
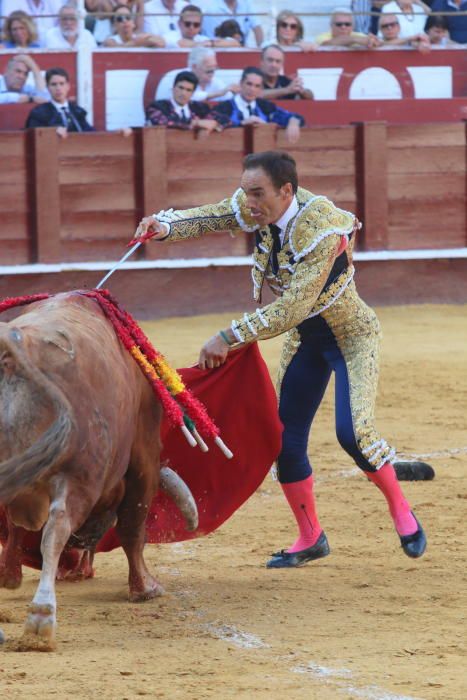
[[80, 199]]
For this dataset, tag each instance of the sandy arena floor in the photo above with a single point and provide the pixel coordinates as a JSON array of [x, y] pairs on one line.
[[366, 622]]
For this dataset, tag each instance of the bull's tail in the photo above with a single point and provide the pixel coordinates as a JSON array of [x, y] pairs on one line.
[[54, 445]]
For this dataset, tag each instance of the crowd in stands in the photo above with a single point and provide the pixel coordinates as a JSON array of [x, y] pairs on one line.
[[184, 98], [54, 24]]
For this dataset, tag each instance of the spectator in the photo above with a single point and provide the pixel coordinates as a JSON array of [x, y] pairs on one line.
[[188, 32], [65, 116], [125, 34], [100, 21], [289, 32], [13, 88], [276, 84], [364, 22], [67, 34], [181, 111], [43, 12], [230, 29], [457, 23], [342, 33], [249, 108], [390, 31], [202, 62], [20, 32], [411, 14], [168, 12], [437, 31], [240, 10]]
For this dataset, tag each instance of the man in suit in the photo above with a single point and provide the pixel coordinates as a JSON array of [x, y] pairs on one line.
[[65, 116], [249, 108], [181, 111]]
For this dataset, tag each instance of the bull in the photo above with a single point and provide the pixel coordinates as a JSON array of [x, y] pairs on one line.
[[79, 448]]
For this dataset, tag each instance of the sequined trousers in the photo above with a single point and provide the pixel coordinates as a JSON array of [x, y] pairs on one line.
[[343, 339]]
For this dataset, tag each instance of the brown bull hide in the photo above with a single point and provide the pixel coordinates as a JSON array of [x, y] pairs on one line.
[[79, 444]]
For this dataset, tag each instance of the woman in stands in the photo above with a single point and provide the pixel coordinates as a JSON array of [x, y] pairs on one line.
[[20, 32], [98, 19], [125, 34], [289, 32]]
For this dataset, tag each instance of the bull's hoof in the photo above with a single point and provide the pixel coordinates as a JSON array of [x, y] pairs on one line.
[[148, 594], [39, 629], [10, 579], [30, 642]]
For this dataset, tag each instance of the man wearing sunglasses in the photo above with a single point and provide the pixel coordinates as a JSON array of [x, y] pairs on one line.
[[342, 33], [390, 30], [188, 32]]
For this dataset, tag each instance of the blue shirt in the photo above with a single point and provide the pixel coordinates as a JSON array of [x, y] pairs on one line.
[[457, 23]]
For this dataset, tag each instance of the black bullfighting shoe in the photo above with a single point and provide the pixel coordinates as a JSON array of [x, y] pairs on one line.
[[414, 471], [285, 560], [414, 545]]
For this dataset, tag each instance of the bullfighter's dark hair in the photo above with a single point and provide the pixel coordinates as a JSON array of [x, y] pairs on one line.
[[56, 71], [186, 76], [280, 167], [251, 70]]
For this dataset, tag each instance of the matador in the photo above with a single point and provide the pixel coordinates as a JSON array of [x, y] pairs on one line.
[[303, 252]]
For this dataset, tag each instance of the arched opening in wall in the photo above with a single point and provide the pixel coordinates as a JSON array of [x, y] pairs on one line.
[[375, 84]]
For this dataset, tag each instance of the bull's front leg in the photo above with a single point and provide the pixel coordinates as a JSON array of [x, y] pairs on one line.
[[41, 623], [130, 527], [11, 557]]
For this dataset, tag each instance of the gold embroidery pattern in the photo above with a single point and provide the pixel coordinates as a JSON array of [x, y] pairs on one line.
[[357, 331], [319, 218], [297, 300], [192, 223]]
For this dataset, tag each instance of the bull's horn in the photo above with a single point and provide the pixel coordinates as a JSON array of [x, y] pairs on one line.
[[174, 486]]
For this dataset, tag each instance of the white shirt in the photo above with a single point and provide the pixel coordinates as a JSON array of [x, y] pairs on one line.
[[37, 12], [243, 15], [172, 38], [286, 217], [246, 108], [54, 39], [8, 96], [60, 107], [181, 110], [164, 89], [165, 24], [410, 24]]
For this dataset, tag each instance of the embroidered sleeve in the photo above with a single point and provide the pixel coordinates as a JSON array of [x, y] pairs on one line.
[[192, 223], [297, 301]]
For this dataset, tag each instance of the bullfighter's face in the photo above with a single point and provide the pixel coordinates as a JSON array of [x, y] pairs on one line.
[[266, 202], [183, 92], [59, 87]]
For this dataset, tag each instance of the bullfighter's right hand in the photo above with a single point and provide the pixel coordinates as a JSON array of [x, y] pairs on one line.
[[150, 225]]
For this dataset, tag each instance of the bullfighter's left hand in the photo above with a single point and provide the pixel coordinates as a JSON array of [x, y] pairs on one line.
[[213, 353]]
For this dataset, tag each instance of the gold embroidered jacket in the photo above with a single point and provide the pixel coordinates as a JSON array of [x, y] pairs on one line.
[[307, 256]]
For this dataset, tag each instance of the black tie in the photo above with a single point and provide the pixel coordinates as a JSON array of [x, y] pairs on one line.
[[250, 110], [70, 123], [276, 246]]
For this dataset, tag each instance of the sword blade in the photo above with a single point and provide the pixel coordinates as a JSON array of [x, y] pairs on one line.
[[117, 265]]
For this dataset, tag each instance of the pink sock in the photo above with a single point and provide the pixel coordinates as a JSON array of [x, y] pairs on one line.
[[299, 495], [386, 480]]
